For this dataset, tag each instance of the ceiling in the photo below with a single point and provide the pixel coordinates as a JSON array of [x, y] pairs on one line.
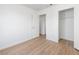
[[37, 6]]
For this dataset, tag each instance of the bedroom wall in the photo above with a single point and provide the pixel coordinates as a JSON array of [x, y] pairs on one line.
[[17, 24], [52, 33], [76, 27], [52, 19]]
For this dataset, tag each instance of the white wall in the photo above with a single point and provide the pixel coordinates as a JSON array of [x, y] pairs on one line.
[[66, 24], [42, 19], [76, 27], [52, 20], [51, 23], [17, 24]]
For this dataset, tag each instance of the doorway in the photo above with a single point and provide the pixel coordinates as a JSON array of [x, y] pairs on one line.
[[42, 25], [66, 26]]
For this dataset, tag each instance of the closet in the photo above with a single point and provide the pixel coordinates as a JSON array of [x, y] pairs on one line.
[[66, 24]]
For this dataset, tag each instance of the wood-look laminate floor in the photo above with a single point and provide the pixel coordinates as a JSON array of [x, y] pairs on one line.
[[41, 46]]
